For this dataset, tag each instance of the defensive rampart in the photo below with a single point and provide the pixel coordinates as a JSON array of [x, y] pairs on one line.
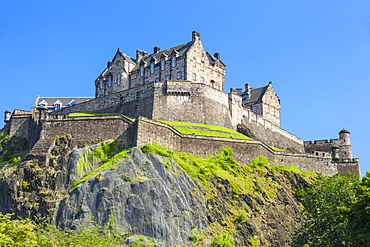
[[187, 101], [244, 150]]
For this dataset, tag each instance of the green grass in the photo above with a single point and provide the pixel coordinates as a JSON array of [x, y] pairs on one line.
[[108, 153], [277, 149], [256, 180], [212, 130], [91, 114]]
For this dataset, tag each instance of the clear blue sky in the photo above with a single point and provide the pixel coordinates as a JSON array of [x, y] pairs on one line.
[[316, 52]]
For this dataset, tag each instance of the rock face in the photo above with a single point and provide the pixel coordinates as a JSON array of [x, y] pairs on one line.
[[140, 196], [149, 194]]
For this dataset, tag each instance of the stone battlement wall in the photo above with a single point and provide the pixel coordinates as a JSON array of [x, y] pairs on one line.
[[86, 129], [270, 133], [188, 101], [152, 131]]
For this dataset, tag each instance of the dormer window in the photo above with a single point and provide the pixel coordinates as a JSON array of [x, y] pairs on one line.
[[57, 105], [101, 84], [174, 61], [152, 68], [72, 103], [142, 70], [163, 64], [43, 103]]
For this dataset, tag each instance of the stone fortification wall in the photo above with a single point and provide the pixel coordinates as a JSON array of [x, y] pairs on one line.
[[269, 133], [86, 129], [244, 150], [133, 102], [20, 123], [191, 102]]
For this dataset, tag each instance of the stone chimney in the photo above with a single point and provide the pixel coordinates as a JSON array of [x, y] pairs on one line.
[[7, 115], [140, 54], [247, 90], [156, 49], [217, 55], [195, 36]]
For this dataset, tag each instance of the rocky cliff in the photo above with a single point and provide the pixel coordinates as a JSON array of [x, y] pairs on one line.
[[173, 198]]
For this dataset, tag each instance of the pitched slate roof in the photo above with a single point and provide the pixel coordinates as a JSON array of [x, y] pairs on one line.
[[255, 96], [64, 100], [180, 49]]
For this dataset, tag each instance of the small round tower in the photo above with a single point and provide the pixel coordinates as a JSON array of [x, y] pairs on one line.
[[345, 151], [344, 135], [7, 115]]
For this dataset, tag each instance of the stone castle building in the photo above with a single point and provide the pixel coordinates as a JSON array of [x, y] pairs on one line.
[[183, 83]]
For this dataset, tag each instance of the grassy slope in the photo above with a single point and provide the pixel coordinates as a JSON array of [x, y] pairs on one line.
[[256, 180]]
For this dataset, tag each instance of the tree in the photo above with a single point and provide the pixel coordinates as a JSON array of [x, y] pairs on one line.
[[328, 205]]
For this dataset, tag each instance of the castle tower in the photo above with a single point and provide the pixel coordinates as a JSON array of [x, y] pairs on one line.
[[345, 150], [7, 115]]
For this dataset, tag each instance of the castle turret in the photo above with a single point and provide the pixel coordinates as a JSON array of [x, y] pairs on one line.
[[43, 113], [345, 149], [7, 115]]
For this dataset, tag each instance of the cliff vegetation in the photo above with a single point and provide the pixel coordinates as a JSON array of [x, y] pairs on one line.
[[153, 196]]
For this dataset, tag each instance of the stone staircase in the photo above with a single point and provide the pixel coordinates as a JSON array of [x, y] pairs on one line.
[[41, 151]]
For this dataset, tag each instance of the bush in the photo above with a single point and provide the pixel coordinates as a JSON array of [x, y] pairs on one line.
[[223, 240]]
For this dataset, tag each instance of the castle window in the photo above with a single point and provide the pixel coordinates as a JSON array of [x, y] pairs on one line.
[[118, 79], [194, 63], [179, 75], [194, 77], [142, 71], [163, 65], [118, 62], [101, 84], [202, 79], [110, 81], [168, 77], [174, 61], [255, 108], [152, 68], [202, 66]]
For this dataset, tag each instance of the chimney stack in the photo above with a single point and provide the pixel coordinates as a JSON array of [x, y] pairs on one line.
[[195, 36], [247, 90], [217, 55], [156, 49], [140, 54]]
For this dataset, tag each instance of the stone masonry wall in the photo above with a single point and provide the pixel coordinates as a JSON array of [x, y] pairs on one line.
[[134, 102], [86, 129], [189, 102], [270, 133], [244, 150]]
